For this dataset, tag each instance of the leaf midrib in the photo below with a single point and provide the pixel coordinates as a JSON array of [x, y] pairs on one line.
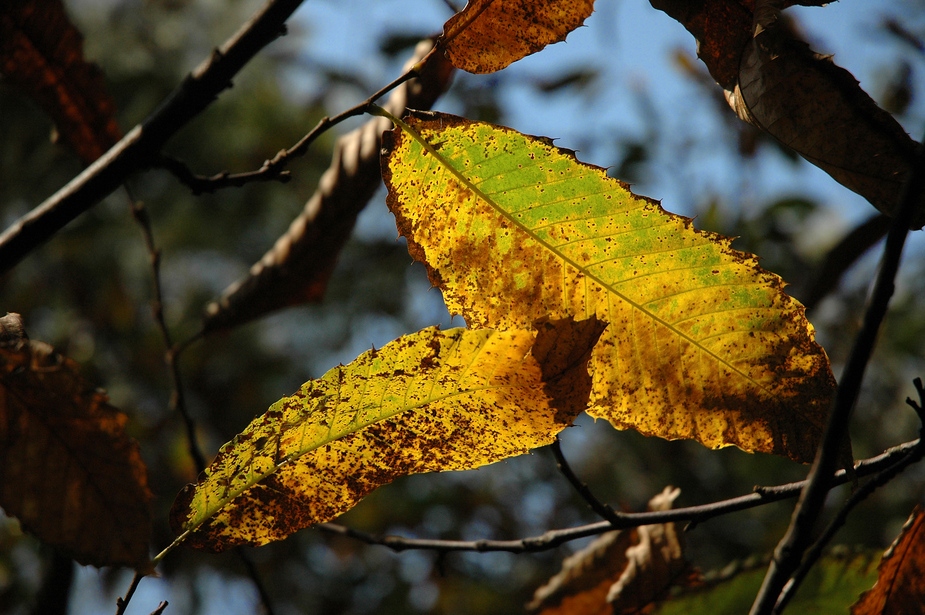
[[512, 219]]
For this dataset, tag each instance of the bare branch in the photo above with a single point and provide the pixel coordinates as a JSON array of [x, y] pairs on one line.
[[554, 538], [140, 147], [790, 549], [295, 269]]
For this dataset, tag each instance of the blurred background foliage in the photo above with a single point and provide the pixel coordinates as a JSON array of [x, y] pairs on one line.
[[658, 122]]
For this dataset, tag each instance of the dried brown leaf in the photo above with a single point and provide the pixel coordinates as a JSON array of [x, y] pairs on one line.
[[297, 268], [900, 586], [818, 109], [620, 572], [488, 35], [68, 471], [42, 53]]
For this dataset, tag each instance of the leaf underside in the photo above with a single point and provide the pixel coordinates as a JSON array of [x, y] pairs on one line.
[[701, 342], [431, 401]]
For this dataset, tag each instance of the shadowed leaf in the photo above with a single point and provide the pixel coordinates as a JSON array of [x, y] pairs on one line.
[[427, 402], [42, 53], [68, 471], [817, 108], [900, 584], [487, 35], [702, 343]]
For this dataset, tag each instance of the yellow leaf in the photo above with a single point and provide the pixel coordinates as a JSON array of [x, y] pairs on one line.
[[426, 402], [487, 35], [701, 342]]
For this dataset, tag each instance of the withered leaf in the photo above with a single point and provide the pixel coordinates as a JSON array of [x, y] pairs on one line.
[[488, 35], [620, 572], [68, 471], [42, 53], [900, 586], [819, 110]]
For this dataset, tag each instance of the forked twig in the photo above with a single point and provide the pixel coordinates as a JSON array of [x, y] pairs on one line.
[[790, 549]]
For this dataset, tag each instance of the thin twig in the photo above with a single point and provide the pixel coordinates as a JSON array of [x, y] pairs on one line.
[[160, 608], [273, 169], [554, 538], [178, 399], [603, 510], [790, 549], [139, 148], [815, 552], [122, 603]]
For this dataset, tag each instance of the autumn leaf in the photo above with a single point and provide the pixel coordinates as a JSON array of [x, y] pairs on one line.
[[68, 471], [818, 109], [42, 53], [829, 587], [899, 588], [427, 402], [622, 571], [297, 268], [774, 81], [702, 343], [487, 35]]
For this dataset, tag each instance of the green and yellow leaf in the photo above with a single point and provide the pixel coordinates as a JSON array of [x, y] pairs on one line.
[[427, 402], [701, 342], [487, 35]]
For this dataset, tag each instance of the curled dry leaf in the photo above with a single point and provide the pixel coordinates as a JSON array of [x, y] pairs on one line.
[[488, 35], [427, 402], [297, 268], [68, 471], [620, 572], [900, 586], [42, 53], [819, 110], [774, 81]]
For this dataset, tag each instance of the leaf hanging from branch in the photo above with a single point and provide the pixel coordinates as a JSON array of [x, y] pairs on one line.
[[818, 109], [427, 402], [702, 343], [296, 270], [68, 471], [623, 571], [774, 81], [42, 53], [488, 35]]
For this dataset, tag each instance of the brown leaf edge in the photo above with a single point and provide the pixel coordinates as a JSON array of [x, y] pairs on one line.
[[68, 471]]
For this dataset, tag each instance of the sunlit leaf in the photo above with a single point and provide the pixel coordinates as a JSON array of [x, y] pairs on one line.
[[68, 471], [900, 584], [42, 53], [619, 572], [830, 587], [702, 343], [426, 402], [487, 35]]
